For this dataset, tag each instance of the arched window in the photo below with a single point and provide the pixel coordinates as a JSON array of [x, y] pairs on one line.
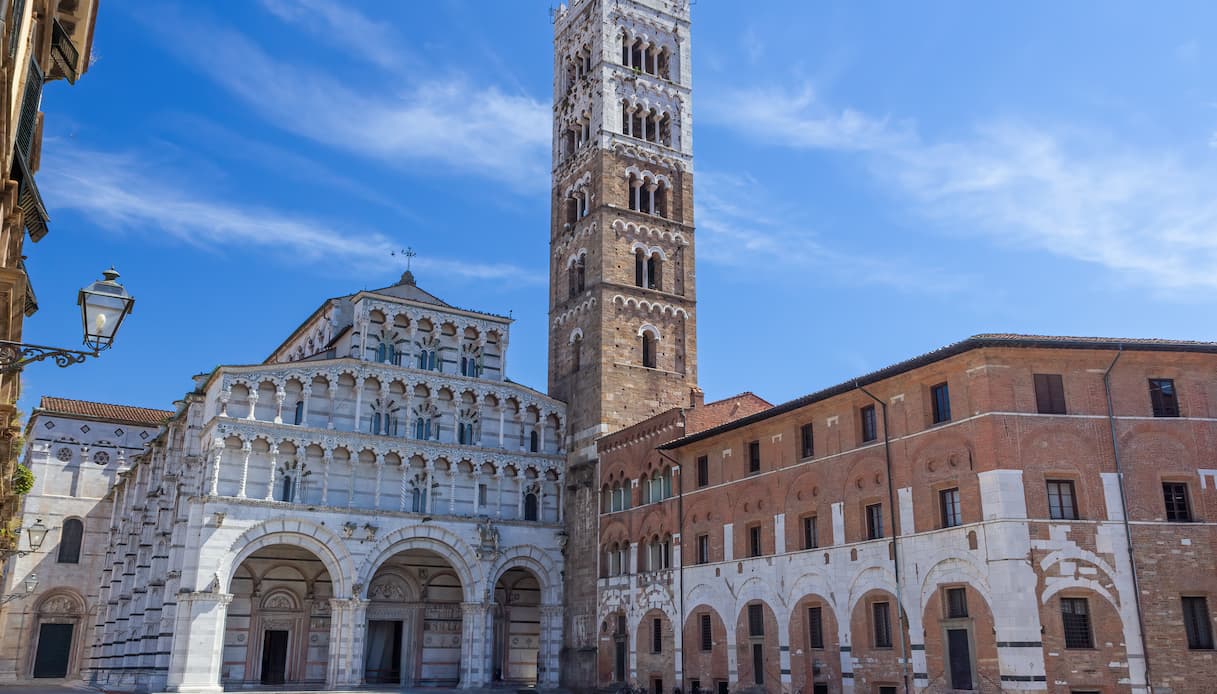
[[654, 268], [287, 489], [577, 275], [426, 360], [530, 507], [534, 441], [374, 424], [298, 419], [576, 354], [470, 366], [70, 539], [386, 353], [648, 349], [418, 500], [464, 433], [422, 428], [640, 268], [614, 560]]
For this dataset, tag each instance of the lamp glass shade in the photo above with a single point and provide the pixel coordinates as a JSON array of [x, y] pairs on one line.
[[37, 533], [103, 306], [31, 583]]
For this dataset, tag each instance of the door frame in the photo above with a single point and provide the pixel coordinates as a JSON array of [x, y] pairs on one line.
[[949, 625], [57, 607]]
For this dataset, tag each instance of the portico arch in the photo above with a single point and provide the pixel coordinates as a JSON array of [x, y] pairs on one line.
[[444, 543], [329, 549]]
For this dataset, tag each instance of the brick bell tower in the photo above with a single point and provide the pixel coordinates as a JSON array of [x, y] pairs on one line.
[[622, 299]]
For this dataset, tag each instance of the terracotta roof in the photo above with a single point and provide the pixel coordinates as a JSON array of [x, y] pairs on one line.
[[101, 410], [975, 342]]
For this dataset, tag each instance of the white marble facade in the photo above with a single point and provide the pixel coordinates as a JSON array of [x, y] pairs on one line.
[[374, 504], [76, 451]]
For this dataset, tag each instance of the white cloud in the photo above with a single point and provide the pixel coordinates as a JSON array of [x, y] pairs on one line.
[[800, 120], [782, 240], [1147, 215], [447, 123], [375, 42], [126, 193]]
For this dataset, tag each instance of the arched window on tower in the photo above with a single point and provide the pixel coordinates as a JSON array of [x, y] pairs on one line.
[[576, 353], [577, 275], [654, 270], [70, 539], [650, 344]]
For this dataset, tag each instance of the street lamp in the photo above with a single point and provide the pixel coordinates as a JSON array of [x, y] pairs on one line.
[[31, 584], [103, 306], [37, 533]]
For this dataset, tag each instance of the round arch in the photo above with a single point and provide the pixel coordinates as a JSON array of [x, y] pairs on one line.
[[532, 559], [433, 538], [329, 549]]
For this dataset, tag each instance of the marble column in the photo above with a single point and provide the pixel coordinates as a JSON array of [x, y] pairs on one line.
[[198, 646], [348, 628], [477, 637], [551, 645]]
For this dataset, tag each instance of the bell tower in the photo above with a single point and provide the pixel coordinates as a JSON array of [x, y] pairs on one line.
[[622, 298]]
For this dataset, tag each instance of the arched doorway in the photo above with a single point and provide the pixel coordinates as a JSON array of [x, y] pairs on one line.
[[517, 627], [414, 622], [278, 625], [57, 633]]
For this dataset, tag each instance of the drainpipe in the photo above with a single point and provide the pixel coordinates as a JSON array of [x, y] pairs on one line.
[[896, 531], [680, 568], [1132, 561]]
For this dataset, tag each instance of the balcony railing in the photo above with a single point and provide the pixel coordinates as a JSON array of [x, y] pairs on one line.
[[65, 57]]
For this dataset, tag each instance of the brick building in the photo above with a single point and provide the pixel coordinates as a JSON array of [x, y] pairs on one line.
[[955, 521]]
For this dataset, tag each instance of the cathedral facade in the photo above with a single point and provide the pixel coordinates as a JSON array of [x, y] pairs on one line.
[[374, 504]]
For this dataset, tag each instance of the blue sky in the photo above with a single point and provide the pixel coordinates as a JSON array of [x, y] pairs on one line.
[[872, 181]]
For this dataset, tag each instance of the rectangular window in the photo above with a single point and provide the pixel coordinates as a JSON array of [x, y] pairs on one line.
[[957, 603], [810, 537], [707, 633], [870, 431], [1049, 394], [756, 620], [1175, 496], [754, 541], [754, 457], [703, 549], [874, 521], [815, 627], [882, 625], [1198, 624], [1163, 398], [808, 441], [948, 500], [657, 635], [940, 397], [1075, 617], [1062, 503], [481, 496], [703, 470]]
